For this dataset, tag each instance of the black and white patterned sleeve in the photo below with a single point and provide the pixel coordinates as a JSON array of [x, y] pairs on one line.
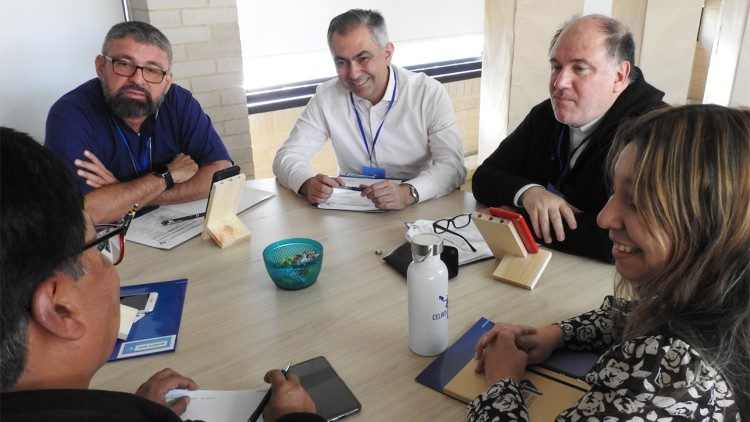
[[595, 330], [646, 379], [501, 402], [654, 378]]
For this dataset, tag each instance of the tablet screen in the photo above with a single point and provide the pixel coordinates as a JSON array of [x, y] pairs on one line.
[[333, 399]]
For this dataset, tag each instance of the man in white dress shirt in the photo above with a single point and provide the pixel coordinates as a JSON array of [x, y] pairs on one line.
[[384, 122]]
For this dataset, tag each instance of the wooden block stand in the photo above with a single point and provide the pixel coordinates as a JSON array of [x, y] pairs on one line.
[[516, 266], [221, 223]]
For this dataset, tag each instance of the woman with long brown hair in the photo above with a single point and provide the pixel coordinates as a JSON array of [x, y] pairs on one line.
[[675, 341]]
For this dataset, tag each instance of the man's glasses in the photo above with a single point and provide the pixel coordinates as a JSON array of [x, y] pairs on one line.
[[458, 222], [127, 69], [110, 239]]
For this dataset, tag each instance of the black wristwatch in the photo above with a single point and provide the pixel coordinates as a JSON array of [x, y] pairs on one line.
[[412, 191], [163, 172]]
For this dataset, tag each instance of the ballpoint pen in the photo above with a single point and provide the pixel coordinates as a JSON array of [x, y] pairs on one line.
[[262, 405], [356, 188], [185, 218]]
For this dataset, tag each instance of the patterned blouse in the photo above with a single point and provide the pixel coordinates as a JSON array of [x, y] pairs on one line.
[[650, 378]]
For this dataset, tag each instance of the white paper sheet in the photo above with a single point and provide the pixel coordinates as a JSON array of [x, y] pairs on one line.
[[219, 405], [351, 200], [148, 230], [348, 200]]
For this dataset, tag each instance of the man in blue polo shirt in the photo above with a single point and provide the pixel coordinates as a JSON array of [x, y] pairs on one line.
[[130, 136]]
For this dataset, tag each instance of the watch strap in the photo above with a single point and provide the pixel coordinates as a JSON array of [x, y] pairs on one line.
[[168, 178], [164, 173], [412, 191]]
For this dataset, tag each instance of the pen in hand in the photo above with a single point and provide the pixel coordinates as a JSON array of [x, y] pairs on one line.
[[185, 218], [355, 188], [262, 405]]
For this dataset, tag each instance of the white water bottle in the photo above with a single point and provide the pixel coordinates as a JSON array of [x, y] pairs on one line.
[[427, 282]]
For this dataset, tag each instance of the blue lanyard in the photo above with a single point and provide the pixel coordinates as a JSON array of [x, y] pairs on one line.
[[377, 133], [144, 161], [564, 164]]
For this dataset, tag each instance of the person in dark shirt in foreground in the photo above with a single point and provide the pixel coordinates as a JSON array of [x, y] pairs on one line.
[[61, 306]]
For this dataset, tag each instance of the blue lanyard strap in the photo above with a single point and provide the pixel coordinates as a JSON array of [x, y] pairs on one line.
[[565, 161], [144, 161], [377, 133]]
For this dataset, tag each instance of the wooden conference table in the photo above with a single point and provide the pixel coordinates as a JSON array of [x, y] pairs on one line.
[[236, 324]]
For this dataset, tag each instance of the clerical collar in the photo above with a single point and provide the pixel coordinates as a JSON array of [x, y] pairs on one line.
[[578, 134]]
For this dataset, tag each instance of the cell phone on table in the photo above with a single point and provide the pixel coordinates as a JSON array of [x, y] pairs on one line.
[[521, 227], [333, 399], [143, 302], [226, 173], [220, 175]]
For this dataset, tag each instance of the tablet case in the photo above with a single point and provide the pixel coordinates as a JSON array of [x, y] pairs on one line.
[[400, 259]]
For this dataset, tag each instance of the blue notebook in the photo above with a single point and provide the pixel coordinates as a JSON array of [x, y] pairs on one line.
[[449, 363], [549, 387], [155, 332]]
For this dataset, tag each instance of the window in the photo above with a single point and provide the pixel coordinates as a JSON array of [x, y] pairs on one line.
[[285, 51]]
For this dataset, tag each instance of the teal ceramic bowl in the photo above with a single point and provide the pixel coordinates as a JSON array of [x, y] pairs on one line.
[[295, 263]]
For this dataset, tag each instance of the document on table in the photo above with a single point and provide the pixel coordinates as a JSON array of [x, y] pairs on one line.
[[148, 230], [348, 200], [470, 232], [352, 200], [219, 405]]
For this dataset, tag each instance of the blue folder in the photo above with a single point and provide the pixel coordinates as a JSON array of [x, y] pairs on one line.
[[448, 364], [156, 332]]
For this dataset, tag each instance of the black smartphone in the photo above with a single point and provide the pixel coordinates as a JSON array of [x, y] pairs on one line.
[[333, 399], [219, 176], [450, 257], [401, 257], [225, 174]]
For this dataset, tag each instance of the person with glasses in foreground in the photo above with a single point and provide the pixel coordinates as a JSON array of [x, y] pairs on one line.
[[61, 308], [130, 136], [679, 219]]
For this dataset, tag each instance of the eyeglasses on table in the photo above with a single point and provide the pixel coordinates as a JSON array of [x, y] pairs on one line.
[[458, 222]]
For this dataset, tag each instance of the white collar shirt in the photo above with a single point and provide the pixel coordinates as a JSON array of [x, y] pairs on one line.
[[577, 136], [418, 141]]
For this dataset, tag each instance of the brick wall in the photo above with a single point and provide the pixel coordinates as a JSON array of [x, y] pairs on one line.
[[207, 60], [269, 130]]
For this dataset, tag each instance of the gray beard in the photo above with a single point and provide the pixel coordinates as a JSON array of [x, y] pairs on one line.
[[127, 107]]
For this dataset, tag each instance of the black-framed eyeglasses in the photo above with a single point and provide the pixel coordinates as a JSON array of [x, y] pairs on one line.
[[110, 238], [459, 221], [125, 68]]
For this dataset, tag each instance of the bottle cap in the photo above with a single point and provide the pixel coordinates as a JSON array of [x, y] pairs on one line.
[[424, 245]]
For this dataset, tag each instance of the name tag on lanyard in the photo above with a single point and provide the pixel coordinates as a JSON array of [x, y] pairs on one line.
[[373, 170], [143, 165]]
